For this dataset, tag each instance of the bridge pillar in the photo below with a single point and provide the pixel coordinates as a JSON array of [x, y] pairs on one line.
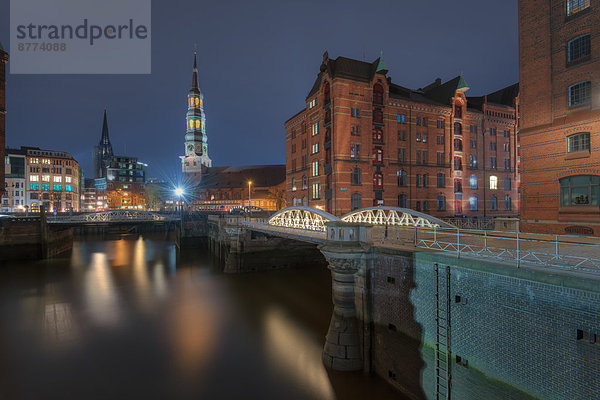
[[347, 250]]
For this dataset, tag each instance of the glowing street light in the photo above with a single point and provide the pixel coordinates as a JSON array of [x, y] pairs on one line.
[[179, 192], [249, 196]]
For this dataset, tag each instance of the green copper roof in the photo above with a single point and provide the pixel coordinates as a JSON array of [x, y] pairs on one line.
[[381, 67], [462, 84]]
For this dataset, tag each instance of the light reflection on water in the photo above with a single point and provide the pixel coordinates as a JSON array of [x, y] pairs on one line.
[[137, 319]]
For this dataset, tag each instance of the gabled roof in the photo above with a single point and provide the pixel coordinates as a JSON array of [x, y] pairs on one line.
[[443, 93], [343, 67], [237, 177]]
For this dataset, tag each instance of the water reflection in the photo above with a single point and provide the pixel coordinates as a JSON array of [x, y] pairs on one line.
[[100, 294], [295, 353], [136, 319]]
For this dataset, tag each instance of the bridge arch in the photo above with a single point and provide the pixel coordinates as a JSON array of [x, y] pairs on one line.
[[302, 217], [122, 215], [394, 216]]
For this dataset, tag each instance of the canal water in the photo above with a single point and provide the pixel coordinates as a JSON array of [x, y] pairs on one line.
[[134, 318]]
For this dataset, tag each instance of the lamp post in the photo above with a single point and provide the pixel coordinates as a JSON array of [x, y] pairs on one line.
[[249, 195]]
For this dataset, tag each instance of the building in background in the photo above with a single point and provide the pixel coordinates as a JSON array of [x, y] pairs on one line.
[[51, 178], [103, 152], [3, 61], [14, 197], [364, 141], [195, 161], [223, 188], [120, 180], [559, 68]]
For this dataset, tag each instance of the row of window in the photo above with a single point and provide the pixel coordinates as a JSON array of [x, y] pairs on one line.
[[46, 187], [46, 178]]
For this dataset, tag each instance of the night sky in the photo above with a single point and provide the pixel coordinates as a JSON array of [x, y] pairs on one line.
[[257, 61]]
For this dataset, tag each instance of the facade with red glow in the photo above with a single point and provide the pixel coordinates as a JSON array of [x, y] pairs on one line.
[[363, 141]]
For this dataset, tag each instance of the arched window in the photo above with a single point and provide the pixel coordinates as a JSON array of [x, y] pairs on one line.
[[458, 110], [580, 190], [327, 116], [458, 145], [304, 182], [356, 176], [493, 182], [356, 201], [473, 181], [457, 128], [378, 155], [402, 178], [378, 116], [293, 184], [457, 185], [197, 101], [494, 203], [473, 203], [378, 94], [197, 124], [377, 180]]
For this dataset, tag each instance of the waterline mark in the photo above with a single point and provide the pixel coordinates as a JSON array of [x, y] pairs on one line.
[[80, 37]]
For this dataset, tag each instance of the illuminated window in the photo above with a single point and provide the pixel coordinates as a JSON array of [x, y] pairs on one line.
[[315, 168], [493, 182], [473, 181], [34, 161], [57, 188], [34, 186], [197, 101], [45, 186], [574, 6], [68, 179], [473, 203], [197, 124], [58, 179], [68, 188], [316, 191], [377, 180], [45, 161], [34, 178]]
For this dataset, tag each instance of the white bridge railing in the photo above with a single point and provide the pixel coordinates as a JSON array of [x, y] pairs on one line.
[[563, 252]]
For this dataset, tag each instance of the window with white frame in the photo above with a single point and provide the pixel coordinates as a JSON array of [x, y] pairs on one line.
[[578, 142], [580, 93], [493, 182]]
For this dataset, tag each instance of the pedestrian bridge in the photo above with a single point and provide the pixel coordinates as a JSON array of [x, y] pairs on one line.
[[401, 227], [113, 216], [309, 224]]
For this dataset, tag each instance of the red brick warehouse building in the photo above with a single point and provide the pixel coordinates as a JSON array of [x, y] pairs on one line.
[[362, 140], [559, 46], [3, 61]]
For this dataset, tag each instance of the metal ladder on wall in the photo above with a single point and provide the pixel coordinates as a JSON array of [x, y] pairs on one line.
[[443, 352]]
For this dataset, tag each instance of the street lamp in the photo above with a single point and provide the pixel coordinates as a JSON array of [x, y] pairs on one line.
[[249, 196]]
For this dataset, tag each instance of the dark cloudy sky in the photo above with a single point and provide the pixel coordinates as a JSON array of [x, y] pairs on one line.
[[257, 61]]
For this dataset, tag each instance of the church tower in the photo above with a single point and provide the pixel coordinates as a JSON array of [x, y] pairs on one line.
[[103, 152], [196, 149]]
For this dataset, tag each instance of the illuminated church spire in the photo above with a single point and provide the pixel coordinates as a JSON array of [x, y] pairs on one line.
[[196, 147]]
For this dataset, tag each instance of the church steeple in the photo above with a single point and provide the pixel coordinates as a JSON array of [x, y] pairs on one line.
[[104, 140], [196, 146], [195, 74], [103, 151]]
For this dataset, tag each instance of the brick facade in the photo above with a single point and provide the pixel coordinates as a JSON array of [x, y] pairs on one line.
[[3, 61], [550, 117], [362, 136]]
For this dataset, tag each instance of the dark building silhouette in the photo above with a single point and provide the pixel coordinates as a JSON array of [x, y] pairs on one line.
[[3, 61], [103, 152]]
